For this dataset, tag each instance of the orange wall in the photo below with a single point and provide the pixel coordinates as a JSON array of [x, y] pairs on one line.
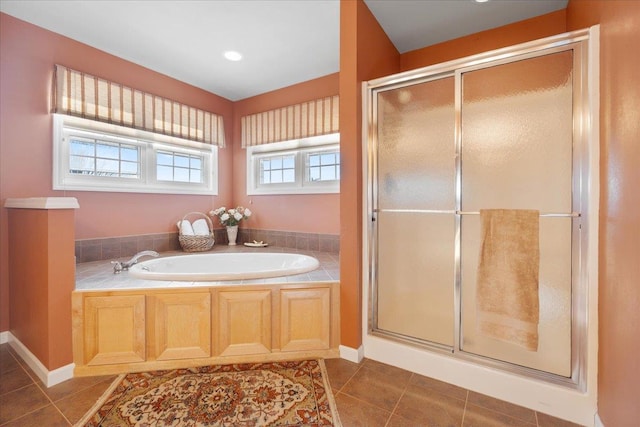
[[365, 53], [27, 56], [619, 281], [42, 286], [496, 38], [303, 213]]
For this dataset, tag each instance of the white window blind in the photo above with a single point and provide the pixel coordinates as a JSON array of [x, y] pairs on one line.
[[312, 118], [83, 95]]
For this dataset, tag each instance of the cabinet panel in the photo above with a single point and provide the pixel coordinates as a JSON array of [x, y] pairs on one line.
[[114, 329], [305, 319], [150, 329], [244, 322], [182, 325]]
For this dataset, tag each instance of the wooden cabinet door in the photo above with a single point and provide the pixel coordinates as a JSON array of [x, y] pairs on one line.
[[181, 327], [305, 319], [114, 329], [244, 322]]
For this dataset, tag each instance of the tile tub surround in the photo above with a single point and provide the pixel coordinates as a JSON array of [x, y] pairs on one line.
[[88, 250], [98, 275], [291, 239]]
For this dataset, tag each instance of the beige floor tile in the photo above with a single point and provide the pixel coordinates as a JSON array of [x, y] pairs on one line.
[[439, 386], [28, 370], [355, 413], [377, 388], [13, 380], [503, 407], [7, 362], [21, 401], [426, 406], [367, 394], [398, 373], [398, 421], [74, 385], [478, 416], [74, 406], [48, 416], [340, 371]]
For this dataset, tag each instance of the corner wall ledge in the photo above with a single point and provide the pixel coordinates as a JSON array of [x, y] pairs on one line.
[[43, 203]]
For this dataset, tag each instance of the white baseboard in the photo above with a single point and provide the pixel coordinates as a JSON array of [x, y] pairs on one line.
[[48, 378], [352, 354], [4, 337], [598, 422]]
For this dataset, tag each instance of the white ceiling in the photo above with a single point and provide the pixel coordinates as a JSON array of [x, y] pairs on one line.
[[283, 41]]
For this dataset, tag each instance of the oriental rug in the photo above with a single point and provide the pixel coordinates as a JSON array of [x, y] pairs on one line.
[[250, 394]]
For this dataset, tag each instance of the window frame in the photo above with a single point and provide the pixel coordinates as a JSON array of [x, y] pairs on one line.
[[300, 148], [149, 144]]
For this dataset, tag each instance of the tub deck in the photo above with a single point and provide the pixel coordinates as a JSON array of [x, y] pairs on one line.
[[98, 275]]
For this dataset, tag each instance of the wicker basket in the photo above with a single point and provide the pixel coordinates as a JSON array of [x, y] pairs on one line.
[[196, 243]]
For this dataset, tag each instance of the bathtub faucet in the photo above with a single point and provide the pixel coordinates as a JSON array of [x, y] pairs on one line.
[[119, 266]]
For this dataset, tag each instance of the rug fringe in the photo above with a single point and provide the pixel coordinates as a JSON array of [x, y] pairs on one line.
[[329, 391], [100, 401]]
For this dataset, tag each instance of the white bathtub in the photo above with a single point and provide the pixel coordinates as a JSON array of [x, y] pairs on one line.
[[225, 266]]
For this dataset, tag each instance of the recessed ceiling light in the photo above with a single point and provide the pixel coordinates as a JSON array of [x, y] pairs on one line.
[[232, 55], [481, 1]]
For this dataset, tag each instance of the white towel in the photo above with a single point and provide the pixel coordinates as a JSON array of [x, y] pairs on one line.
[[185, 228], [200, 227]]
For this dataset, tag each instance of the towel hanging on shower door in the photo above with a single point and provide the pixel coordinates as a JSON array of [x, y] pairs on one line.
[[508, 270]]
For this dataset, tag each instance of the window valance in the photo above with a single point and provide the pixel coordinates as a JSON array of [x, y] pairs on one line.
[[83, 95], [312, 118]]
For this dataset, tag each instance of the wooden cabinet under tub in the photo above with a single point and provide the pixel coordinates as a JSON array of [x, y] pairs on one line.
[[143, 329]]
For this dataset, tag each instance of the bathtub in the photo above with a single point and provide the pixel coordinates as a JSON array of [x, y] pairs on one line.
[[224, 266], [185, 310]]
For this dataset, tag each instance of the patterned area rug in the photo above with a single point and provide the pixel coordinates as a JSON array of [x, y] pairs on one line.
[[260, 394]]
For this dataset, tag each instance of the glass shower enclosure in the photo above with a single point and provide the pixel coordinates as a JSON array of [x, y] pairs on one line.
[[499, 132]]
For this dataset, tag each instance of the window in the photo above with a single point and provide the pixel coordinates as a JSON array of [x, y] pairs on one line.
[[323, 166], [102, 158], [310, 165], [94, 156], [178, 167], [278, 169]]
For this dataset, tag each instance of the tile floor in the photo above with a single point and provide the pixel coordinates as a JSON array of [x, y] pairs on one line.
[[374, 394], [367, 394]]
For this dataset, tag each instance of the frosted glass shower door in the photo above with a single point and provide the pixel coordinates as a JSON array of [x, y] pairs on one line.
[[517, 134], [415, 224]]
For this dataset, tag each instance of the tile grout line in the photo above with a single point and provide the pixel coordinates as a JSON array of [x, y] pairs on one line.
[[50, 400], [464, 411], [367, 403], [33, 382], [74, 394], [360, 366], [53, 403], [404, 391], [508, 415], [351, 377], [339, 391]]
